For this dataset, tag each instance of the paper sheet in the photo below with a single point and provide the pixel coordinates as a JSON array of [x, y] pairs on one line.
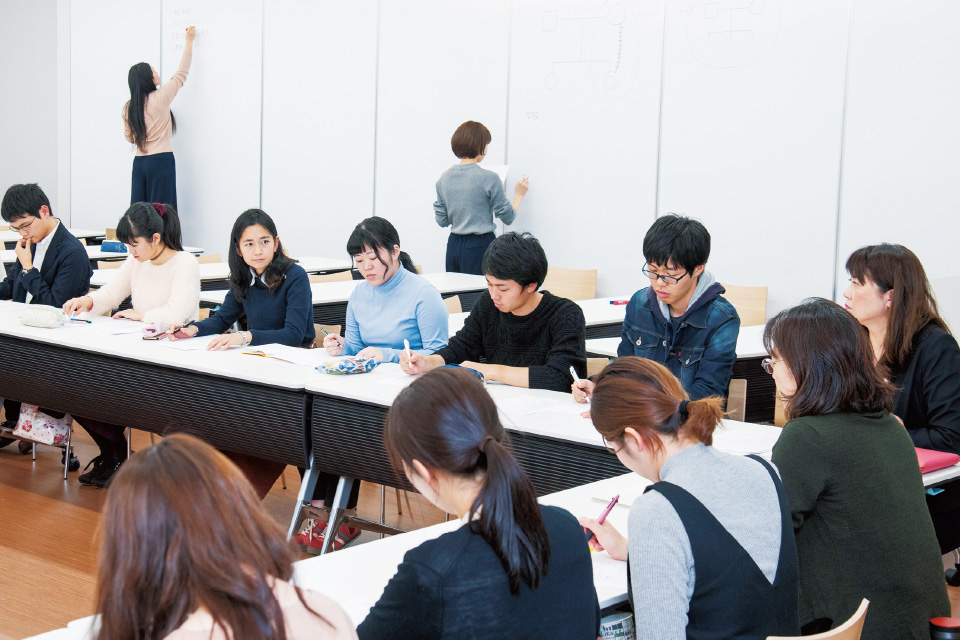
[[106, 326], [293, 355], [188, 344], [525, 406]]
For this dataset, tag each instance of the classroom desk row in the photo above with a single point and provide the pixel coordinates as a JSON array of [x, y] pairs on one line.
[[330, 298], [9, 237], [377, 561], [215, 276], [94, 253]]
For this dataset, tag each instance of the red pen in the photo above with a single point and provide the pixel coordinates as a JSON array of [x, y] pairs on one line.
[[604, 514], [619, 301]]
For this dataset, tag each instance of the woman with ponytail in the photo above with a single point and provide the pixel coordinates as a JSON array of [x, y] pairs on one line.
[[148, 123], [514, 569], [710, 550], [163, 283], [392, 305], [850, 470]]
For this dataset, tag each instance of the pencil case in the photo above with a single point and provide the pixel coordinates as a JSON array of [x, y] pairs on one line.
[[348, 366], [113, 246]]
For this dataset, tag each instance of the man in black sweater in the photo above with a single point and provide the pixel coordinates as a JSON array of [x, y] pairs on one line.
[[526, 338]]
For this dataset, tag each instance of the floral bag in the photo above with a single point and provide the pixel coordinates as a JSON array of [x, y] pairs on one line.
[[36, 426]]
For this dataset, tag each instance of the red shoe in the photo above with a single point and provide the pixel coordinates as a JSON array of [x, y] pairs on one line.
[[311, 529], [345, 536]]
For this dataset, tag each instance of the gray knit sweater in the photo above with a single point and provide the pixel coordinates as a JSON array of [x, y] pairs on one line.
[[738, 492], [468, 197]]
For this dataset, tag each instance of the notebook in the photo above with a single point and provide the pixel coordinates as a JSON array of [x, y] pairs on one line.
[[932, 460]]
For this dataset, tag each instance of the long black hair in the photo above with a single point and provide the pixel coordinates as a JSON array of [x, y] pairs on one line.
[[143, 219], [448, 421], [140, 81], [377, 233], [240, 271]]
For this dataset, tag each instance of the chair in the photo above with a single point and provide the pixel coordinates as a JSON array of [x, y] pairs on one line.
[[110, 234], [203, 314], [4, 227], [737, 400], [333, 329], [212, 258], [453, 304], [573, 284], [339, 276], [419, 268], [596, 365], [109, 264], [750, 303], [849, 630], [83, 241]]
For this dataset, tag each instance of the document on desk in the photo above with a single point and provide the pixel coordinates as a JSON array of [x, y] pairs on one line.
[[525, 405], [188, 344], [105, 326], [609, 575], [741, 443], [293, 355]]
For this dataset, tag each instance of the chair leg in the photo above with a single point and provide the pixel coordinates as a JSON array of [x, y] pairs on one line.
[[283, 478], [399, 508], [383, 506], [67, 452], [33, 450], [129, 439], [154, 441]]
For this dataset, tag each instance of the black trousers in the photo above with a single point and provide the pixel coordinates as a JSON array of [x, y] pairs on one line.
[[465, 253], [155, 179], [326, 489]]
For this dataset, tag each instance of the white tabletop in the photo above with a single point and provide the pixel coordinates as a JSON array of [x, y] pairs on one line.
[[749, 344], [334, 292], [221, 270], [94, 253], [9, 235]]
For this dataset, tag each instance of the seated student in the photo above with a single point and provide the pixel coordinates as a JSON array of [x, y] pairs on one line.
[[393, 304], [163, 282], [515, 569], [680, 320], [528, 338], [851, 474], [188, 553], [710, 549], [51, 267]]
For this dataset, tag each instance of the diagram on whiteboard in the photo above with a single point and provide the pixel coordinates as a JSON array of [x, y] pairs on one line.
[[733, 33], [608, 48]]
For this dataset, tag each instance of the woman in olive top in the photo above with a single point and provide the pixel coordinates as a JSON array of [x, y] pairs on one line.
[[851, 474]]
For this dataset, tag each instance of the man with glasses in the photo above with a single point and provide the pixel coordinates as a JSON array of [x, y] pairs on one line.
[[51, 266], [680, 320]]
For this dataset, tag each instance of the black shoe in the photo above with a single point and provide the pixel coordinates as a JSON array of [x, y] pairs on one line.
[[6, 427], [99, 464], [74, 461], [25, 447], [109, 469]]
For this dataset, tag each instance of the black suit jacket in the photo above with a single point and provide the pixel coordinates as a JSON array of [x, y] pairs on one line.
[[64, 274]]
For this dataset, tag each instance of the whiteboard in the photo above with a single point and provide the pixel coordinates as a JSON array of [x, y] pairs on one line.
[[217, 145], [901, 169], [440, 63], [107, 37], [751, 126], [584, 112], [319, 101]]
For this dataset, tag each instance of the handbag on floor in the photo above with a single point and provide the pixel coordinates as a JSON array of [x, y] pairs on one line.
[[36, 426]]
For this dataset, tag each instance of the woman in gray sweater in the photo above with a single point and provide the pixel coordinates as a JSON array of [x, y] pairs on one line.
[[468, 199], [710, 551]]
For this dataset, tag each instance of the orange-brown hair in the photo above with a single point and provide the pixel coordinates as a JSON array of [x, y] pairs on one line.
[[470, 139], [183, 529], [643, 394]]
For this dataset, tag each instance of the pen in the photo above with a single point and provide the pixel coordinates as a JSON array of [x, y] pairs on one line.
[[604, 514], [406, 346], [81, 320], [619, 301], [576, 381]]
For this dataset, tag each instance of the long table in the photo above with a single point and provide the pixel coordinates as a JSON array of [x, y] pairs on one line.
[[94, 253], [9, 238], [330, 298]]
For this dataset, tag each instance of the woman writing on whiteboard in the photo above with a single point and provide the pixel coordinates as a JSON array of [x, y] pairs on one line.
[[149, 123], [468, 198]]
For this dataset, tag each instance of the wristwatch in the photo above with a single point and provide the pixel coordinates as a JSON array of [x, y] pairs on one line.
[[243, 336], [24, 272]]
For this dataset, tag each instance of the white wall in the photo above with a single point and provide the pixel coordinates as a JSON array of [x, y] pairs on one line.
[[28, 108]]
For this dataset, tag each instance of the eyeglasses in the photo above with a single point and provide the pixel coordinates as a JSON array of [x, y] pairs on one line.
[[653, 275], [767, 364], [24, 228], [609, 447]]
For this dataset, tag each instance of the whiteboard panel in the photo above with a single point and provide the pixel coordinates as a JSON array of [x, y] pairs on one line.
[[751, 130], [441, 63], [107, 37], [319, 99], [217, 145], [584, 111], [901, 141]]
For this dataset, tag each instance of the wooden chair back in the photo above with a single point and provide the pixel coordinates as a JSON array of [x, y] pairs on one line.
[[595, 366], [573, 284], [204, 313], [419, 268], [330, 277], [737, 400], [750, 303], [109, 264], [849, 630], [332, 329], [453, 304], [211, 258], [110, 234]]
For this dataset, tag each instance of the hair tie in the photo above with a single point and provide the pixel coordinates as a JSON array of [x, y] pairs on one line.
[[483, 443], [682, 410], [160, 207]]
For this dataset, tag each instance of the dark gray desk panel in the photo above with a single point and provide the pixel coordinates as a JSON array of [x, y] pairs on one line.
[[233, 415], [348, 441]]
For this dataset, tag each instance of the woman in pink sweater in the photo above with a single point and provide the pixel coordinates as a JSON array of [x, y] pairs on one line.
[[149, 123], [163, 282]]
